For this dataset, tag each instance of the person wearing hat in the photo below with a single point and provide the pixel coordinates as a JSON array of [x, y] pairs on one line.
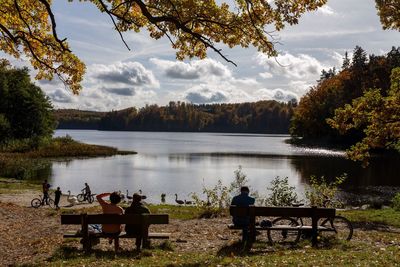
[[136, 207]]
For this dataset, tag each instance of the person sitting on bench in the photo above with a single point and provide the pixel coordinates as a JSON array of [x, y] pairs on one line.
[[111, 230], [136, 207], [243, 200]]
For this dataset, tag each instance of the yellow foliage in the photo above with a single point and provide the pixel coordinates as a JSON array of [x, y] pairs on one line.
[[28, 27]]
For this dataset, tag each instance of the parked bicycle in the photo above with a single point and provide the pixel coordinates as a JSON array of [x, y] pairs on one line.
[[40, 201], [294, 228]]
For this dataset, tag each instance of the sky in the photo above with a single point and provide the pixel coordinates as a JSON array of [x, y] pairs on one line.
[[117, 78]]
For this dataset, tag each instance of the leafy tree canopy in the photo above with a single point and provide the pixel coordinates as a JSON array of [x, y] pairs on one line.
[[25, 111], [389, 13], [377, 114], [29, 27]]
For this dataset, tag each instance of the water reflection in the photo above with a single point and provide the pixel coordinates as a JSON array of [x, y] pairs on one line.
[[382, 171], [183, 162]]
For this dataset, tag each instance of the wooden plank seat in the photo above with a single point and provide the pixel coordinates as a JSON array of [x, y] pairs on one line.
[[141, 221], [122, 235], [294, 212]]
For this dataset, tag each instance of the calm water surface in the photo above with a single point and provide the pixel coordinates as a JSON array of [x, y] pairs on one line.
[[183, 162]]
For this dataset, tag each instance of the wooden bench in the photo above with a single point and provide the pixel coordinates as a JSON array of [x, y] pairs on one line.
[[141, 221], [294, 212]]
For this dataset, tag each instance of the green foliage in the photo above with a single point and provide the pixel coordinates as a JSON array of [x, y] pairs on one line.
[[282, 194], [219, 197], [309, 118], [25, 111], [377, 114], [323, 194], [396, 202], [343, 109], [24, 168]]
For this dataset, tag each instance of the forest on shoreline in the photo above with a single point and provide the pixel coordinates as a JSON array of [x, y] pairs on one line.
[[259, 117]]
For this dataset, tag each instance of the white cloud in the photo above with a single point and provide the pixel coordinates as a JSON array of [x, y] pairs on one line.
[[61, 96], [266, 75], [197, 69], [209, 93], [326, 10], [123, 73], [299, 66], [275, 94]]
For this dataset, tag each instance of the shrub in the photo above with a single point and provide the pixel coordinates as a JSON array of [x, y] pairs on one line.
[[323, 194], [282, 194], [219, 197], [396, 202]]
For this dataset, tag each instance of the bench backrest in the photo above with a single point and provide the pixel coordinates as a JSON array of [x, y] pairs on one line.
[[137, 219], [282, 211]]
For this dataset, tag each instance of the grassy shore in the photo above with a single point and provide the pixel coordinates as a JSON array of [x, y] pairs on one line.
[[22, 160]]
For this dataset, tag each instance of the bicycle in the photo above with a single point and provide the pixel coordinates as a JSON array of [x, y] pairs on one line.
[[37, 202], [338, 227], [83, 197]]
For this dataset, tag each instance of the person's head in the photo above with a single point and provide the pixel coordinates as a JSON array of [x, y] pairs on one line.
[[58, 188], [115, 198], [244, 189], [136, 198], [85, 184]]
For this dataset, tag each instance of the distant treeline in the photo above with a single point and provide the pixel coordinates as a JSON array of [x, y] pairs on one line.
[[258, 117], [78, 119]]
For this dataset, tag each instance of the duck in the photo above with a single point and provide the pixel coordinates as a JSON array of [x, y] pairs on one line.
[[188, 202], [180, 202], [73, 200]]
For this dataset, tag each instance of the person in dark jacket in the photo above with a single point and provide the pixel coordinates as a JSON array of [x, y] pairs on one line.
[[136, 207], [243, 200], [57, 196]]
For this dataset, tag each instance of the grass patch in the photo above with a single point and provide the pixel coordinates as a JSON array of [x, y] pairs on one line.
[[176, 212], [13, 186], [22, 160], [62, 147], [381, 216]]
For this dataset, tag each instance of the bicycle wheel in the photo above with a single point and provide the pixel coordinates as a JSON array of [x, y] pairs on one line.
[[81, 197], [337, 227], [284, 234], [51, 204], [91, 199], [36, 203]]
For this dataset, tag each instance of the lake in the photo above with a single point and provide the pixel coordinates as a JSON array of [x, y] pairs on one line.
[[181, 163]]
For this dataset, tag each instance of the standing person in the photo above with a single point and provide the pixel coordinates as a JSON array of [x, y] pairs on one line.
[[243, 200], [111, 230], [86, 191], [136, 207], [45, 189], [57, 197]]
